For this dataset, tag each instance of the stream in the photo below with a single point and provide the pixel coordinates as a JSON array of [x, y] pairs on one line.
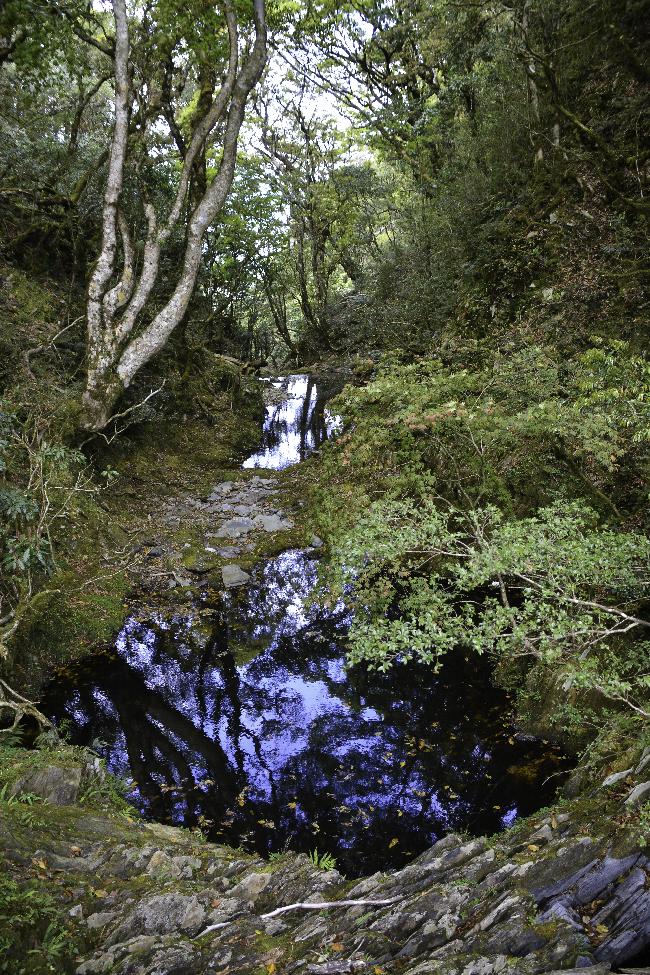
[[239, 716]]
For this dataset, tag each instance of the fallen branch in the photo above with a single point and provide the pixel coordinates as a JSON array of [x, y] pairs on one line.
[[305, 906], [326, 905]]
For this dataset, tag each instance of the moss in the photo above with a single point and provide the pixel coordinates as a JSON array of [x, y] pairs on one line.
[[69, 619]]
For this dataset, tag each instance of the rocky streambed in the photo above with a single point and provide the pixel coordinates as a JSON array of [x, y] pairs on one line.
[[567, 890]]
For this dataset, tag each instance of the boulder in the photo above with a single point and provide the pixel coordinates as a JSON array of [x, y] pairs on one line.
[[54, 784]]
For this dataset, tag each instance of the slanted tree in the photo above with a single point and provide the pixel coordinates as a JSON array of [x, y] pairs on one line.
[[149, 92]]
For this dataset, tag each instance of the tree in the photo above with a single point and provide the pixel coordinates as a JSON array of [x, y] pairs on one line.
[[121, 286]]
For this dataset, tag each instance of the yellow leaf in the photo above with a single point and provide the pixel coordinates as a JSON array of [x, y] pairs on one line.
[[602, 928], [533, 847], [393, 843], [337, 946], [553, 821], [292, 805], [271, 968], [100, 893]]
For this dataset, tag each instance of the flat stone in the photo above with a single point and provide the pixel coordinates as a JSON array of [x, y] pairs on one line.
[[638, 794], [273, 523], [235, 528], [244, 509], [234, 575]]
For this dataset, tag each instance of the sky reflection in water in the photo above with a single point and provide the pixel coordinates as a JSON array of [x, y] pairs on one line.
[[244, 718]]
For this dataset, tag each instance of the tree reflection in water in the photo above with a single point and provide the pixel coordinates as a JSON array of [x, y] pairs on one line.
[[247, 720]]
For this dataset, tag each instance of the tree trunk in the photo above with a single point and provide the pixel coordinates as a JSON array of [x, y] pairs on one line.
[[119, 343]]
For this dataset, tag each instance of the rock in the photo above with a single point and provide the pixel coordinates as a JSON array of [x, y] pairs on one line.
[[644, 761], [638, 794], [101, 919], [162, 914], [542, 835], [162, 865], [76, 912], [221, 490], [234, 576], [593, 970], [316, 542], [156, 553], [251, 887], [235, 528], [56, 785], [614, 778], [273, 523]]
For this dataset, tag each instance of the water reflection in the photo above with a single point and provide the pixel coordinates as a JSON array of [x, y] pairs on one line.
[[294, 426], [243, 718]]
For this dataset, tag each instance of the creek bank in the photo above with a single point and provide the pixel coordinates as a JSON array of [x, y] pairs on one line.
[[565, 889]]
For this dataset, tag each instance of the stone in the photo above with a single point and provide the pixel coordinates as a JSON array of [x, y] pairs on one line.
[[235, 528], [250, 888], [316, 542], [76, 912], [638, 794], [643, 762], [615, 778], [221, 490], [233, 576], [100, 919], [273, 523], [54, 784], [162, 914], [542, 835], [593, 970], [156, 553]]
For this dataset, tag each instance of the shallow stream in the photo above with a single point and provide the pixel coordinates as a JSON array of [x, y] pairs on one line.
[[240, 716]]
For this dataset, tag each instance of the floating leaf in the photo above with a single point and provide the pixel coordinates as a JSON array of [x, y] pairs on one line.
[[393, 843]]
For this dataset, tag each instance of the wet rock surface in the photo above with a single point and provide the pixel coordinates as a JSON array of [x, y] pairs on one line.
[[150, 899]]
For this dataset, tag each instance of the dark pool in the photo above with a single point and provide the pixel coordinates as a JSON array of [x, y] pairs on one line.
[[239, 716]]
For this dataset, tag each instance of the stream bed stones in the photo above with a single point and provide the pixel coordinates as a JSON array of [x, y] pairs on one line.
[[565, 891]]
